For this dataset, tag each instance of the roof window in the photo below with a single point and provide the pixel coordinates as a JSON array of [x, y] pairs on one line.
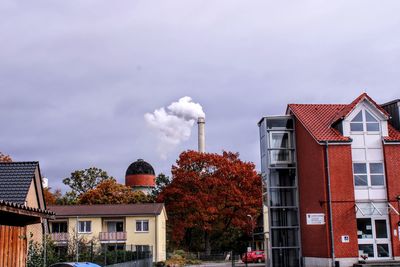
[[364, 121]]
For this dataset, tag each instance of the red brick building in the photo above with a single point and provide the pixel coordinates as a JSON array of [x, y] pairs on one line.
[[332, 176]]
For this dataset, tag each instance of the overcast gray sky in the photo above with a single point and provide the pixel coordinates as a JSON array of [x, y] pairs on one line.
[[77, 77]]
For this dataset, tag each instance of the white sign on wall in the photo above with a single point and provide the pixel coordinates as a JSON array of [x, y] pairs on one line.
[[315, 218], [345, 239]]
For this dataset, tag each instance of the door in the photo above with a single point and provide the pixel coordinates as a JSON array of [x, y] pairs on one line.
[[115, 226], [373, 238]]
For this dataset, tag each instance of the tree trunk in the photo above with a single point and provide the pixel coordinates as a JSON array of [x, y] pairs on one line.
[[207, 243], [188, 239]]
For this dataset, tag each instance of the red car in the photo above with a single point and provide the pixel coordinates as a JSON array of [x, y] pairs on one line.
[[254, 256]]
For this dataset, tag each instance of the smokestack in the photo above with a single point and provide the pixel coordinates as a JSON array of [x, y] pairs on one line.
[[201, 134]]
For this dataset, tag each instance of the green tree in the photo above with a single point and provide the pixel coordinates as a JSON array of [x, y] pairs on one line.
[[83, 180], [162, 181]]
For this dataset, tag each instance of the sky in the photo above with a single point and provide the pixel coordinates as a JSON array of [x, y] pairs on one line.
[[77, 77]]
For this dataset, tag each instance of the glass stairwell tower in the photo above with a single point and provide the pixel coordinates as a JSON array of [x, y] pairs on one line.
[[280, 191]]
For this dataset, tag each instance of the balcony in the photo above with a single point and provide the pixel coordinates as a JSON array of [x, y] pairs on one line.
[[112, 236], [59, 237]]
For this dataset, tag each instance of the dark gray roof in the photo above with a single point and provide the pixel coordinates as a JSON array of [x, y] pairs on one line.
[[15, 179], [140, 167], [23, 207]]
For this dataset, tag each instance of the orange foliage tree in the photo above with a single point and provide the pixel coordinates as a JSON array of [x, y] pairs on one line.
[[52, 198], [210, 198], [111, 192], [5, 158], [49, 197]]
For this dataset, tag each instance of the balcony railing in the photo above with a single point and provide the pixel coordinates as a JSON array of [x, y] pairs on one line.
[[59, 237], [112, 236]]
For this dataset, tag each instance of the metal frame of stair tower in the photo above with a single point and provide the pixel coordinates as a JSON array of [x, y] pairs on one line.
[[280, 192]]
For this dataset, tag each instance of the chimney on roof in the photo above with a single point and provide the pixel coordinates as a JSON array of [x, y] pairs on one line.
[[45, 182], [201, 134], [393, 108]]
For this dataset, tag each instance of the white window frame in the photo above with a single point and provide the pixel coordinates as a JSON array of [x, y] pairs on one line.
[[58, 222], [374, 241], [369, 185], [364, 122], [289, 148], [115, 221], [141, 226], [85, 223]]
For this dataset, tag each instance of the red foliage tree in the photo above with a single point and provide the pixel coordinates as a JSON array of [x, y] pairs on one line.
[[211, 193]]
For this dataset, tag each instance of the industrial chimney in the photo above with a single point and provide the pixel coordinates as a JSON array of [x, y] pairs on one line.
[[201, 134]]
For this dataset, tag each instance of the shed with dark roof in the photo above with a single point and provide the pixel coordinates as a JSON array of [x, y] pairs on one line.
[[22, 210]]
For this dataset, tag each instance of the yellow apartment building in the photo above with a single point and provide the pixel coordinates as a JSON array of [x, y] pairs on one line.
[[118, 226]]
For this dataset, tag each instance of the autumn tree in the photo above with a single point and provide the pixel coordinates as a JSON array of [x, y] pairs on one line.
[[49, 197], [5, 158], [162, 181], [111, 192], [81, 181], [52, 198], [210, 197]]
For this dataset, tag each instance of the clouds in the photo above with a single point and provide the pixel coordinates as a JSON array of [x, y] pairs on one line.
[[173, 125], [76, 77]]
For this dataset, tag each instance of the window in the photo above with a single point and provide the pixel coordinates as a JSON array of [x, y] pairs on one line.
[[284, 217], [280, 140], [372, 123], [377, 177], [383, 250], [115, 226], [360, 174], [282, 197], [284, 237], [142, 248], [114, 247], [59, 227], [364, 121], [380, 229], [280, 144], [142, 226], [364, 228], [85, 227], [368, 174], [367, 250], [282, 178], [356, 124]]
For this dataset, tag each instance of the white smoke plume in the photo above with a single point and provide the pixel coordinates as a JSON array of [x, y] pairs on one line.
[[173, 124]]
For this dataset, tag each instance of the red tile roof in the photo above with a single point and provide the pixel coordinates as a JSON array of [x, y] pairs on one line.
[[394, 135], [319, 118], [349, 108]]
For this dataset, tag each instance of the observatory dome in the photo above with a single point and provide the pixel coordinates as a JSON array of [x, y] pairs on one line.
[[140, 167], [140, 174]]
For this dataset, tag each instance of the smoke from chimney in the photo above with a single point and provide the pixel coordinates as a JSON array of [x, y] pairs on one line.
[[173, 124]]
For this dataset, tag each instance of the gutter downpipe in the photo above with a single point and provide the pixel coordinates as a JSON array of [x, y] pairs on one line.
[[156, 234], [330, 204], [77, 238]]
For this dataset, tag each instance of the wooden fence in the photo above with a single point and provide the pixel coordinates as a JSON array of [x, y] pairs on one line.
[[13, 246]]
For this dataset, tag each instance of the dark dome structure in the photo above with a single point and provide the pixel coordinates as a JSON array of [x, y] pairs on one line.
[[140, 175], [140, 167]]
